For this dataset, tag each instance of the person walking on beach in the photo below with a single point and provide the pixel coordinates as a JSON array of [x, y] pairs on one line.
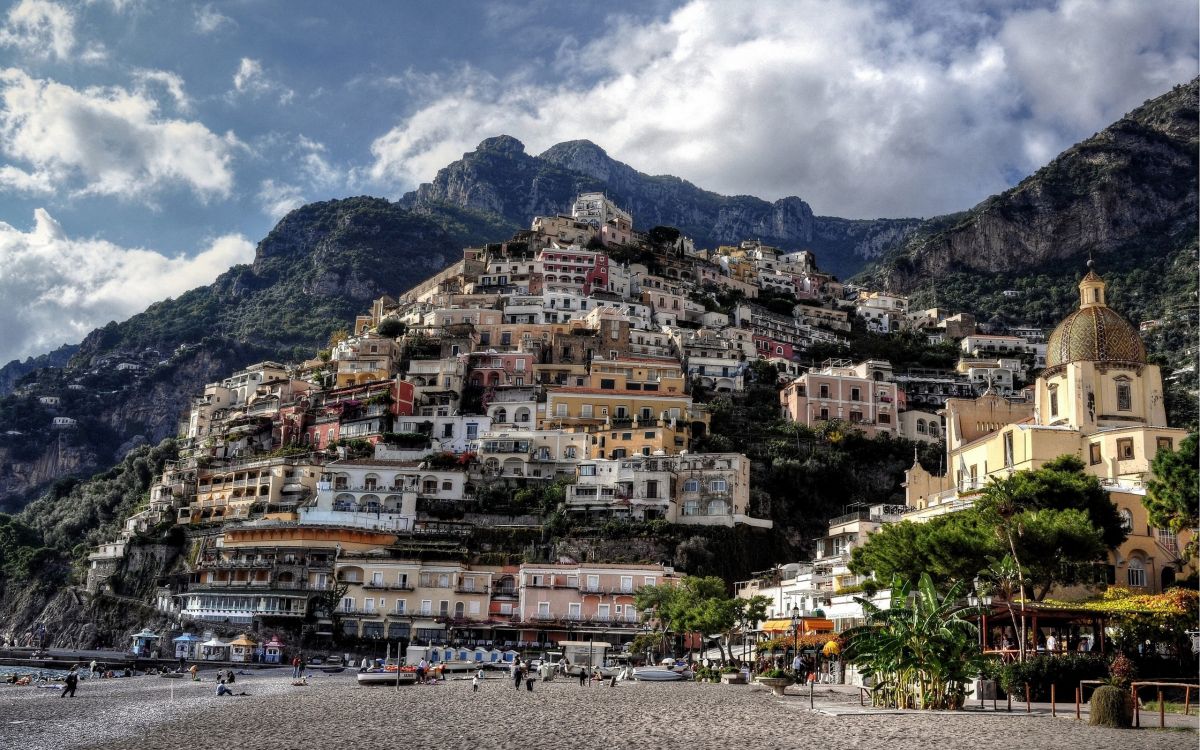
[[295, 667], [583, 675], [516, 671], [92, 669], [72, 682], [195, 673], [475, 681]]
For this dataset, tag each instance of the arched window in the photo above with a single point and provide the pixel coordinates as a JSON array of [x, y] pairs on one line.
[[521, 415], [500, 415], [934, 429], [1137, 572], [921, 427]]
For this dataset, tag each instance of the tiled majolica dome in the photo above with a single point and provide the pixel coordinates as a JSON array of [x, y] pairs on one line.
[[1094, 332]]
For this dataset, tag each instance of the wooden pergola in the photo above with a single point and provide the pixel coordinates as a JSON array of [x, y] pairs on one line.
[[1068, 625]]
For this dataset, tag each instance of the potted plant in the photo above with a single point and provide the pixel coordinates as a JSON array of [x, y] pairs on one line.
[[1112, 705], [732, 676], [776, 679]]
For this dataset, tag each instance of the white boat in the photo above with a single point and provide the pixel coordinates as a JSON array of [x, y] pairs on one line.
[[656, 674], [384, 677]]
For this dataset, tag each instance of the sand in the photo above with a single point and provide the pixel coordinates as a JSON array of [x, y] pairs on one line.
[[335, 712]]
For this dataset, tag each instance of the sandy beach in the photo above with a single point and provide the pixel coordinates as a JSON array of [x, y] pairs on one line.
[[334, 711]]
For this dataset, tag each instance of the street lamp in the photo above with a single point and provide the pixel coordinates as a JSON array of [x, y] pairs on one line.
[[796, 633]]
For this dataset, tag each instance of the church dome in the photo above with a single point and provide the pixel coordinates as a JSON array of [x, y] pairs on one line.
[[1094, 332]]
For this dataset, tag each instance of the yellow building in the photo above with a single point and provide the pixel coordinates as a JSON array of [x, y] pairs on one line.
[[1098, 399]]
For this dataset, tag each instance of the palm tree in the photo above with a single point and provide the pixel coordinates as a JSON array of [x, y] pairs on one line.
[[1004, 577], [999, 499]]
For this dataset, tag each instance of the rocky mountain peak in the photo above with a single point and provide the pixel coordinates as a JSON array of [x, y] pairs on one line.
[[501, 144]]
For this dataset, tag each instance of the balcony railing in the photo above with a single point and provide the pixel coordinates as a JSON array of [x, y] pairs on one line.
[[388, 586]]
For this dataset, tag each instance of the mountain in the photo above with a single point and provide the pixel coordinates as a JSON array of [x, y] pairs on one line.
[[1127, 197], [11, 373], [499, 178], [127, 383]]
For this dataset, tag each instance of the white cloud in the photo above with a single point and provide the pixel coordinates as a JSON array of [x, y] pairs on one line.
[[277, 198], [209, 20], [40, 28], [172, 83], [105, 141], [252, 81], [311, 167], [859, 109], [57, 288]]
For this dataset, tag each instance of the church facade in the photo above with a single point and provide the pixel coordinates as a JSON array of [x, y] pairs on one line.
[[1098, 399]]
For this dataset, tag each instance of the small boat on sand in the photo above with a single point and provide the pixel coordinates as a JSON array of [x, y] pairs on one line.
[[656, 674], [388, 674]]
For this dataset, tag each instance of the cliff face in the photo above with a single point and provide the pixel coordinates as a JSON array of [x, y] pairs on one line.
[[499, 178], [1129, 189]]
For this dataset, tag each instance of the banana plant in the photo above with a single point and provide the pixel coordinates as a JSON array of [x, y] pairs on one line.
[[921, 649]]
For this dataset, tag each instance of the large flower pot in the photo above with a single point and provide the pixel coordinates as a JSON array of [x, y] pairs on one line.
[[733, 678], [777, 684]]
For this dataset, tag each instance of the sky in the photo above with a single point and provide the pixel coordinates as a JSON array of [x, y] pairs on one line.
[[146, 145]]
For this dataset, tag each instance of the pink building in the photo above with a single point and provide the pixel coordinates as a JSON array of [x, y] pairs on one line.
[[584, 269], [494, 369], [768, 347], [858, 394], [560, 602]]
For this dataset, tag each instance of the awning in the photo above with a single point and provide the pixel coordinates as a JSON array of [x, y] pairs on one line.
[[427, 625], [808, 626]]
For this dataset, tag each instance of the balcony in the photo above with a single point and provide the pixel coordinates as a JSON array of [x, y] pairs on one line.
[[388, 586], [470, 590]]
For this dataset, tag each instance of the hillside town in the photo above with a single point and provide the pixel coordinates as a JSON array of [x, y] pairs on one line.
[[575, 362]]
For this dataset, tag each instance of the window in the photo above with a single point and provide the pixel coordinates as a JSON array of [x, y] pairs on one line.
[[1137, 572], [1125, 449], [500, 415], [691, 485], [377, 579], [573, 611], [920, 426], [887, 419], [824, 413], [1126, 520], [718, 485], [854, 394], [1124, 396], [401, 606], [608, 384], [560, 410], [426, 607], [652, 489], [856, 416], [472, 430], [587, 470], [1054, 401], [1164, 444], [824, 391], [586, 411], [593, 583], [448, 430], [348, 604], [1094, 453], [1008, 449], [543, 610]]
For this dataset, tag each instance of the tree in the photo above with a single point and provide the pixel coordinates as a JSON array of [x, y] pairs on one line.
[[391, 328], [661, 235], [1173, 495], [1056, 522], [1003, 577], [696, 604], [922, 649]]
